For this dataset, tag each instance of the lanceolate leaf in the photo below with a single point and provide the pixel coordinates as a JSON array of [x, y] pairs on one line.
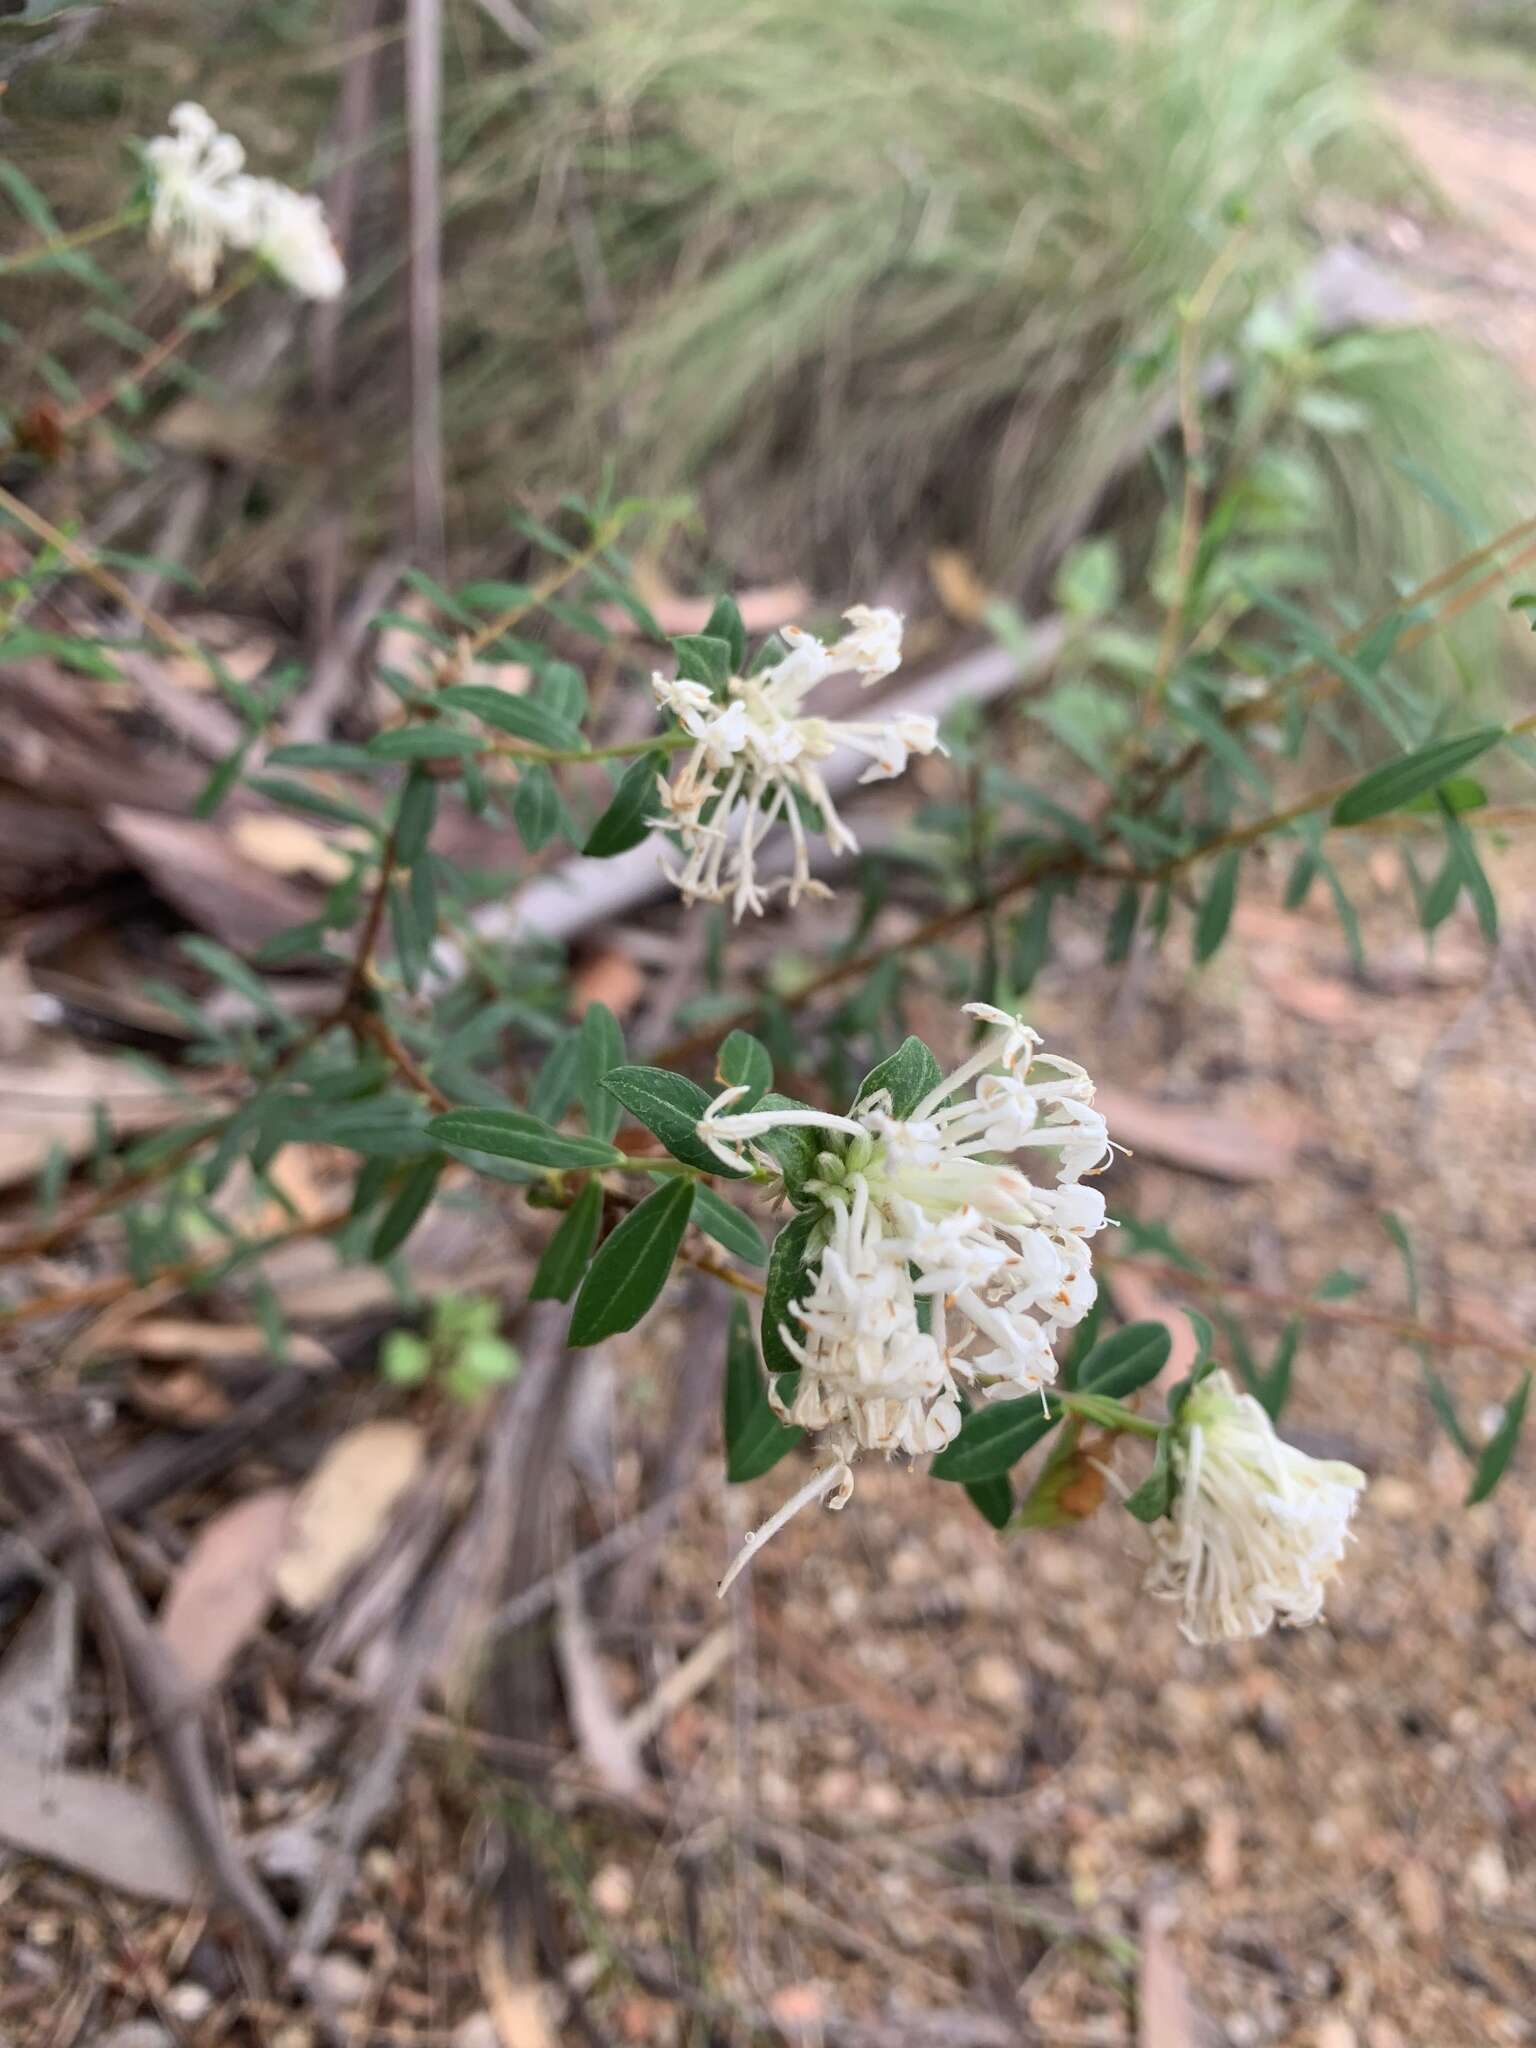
[[669, 1105], [408, 1207], [994, 1438], [907, 1076], [1500, 1447], [1216, 907], [992, 1500], [602, 1049], [793, 1148], [1154, 1497], [627, 819], [788, 1282], [632, 1265], [566, 1255], [513, 1134], [520, 716], [1399, 782], [743, 1062], [1131, 1358], [755, 1438], [739, 1234]]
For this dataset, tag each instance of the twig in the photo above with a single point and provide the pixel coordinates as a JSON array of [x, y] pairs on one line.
[[423, 104], [97, 1293], [82, 559], [161, 353], [1167, 1274]]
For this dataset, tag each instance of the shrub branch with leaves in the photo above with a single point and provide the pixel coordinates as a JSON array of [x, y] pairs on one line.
[[928, 1292]]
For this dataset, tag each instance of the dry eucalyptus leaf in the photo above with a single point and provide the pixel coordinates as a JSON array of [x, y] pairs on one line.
[[344, 1507], [36, 1679], [222, 1592], [97, 1825]]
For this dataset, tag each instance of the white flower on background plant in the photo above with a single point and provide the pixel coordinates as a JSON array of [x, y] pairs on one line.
[[202, 202], [292, 237], [1258, 1528], [936, 1263], [756, 753]]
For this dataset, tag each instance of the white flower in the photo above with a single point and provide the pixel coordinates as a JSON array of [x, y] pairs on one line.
[[1258, 1528], [203, 202], [936, 1263], [755, 754], [291, 236], [200, 203]]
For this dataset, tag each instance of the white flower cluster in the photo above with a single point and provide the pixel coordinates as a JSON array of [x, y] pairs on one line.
[[936, 1262], [1258, 1528], [203, 201], [755, 752]]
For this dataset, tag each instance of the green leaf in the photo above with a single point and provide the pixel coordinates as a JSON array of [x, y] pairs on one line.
[[669, 1105], [1154, 1497], [407, 1208], [726, 1225], [27, 200], [1272, 1388], [424, 743], [382, 1128], [555, 1084], [513, 1134], [1032, 938], [1397, 784], [627, 819], [1397, 1230], [566, 1255], [994, 1438], [755, 1438], [415, 817], [602, 1049], [907, 1076], [794, 1148], [1500, 1447], [1338, 1285], [788, 1281], [744, 1062], [1444, 1406], [1122, 925], [1216, 907], [704, 658], [725, 623], [536, 806], [1129, 1359], [226, 967], [632, 1265], [413, 942], [1460, 793], [524, 717], [318, 803], [993, 1500]]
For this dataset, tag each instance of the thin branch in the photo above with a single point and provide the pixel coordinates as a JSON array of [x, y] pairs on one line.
[[1216, 1286], [423, 97]]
